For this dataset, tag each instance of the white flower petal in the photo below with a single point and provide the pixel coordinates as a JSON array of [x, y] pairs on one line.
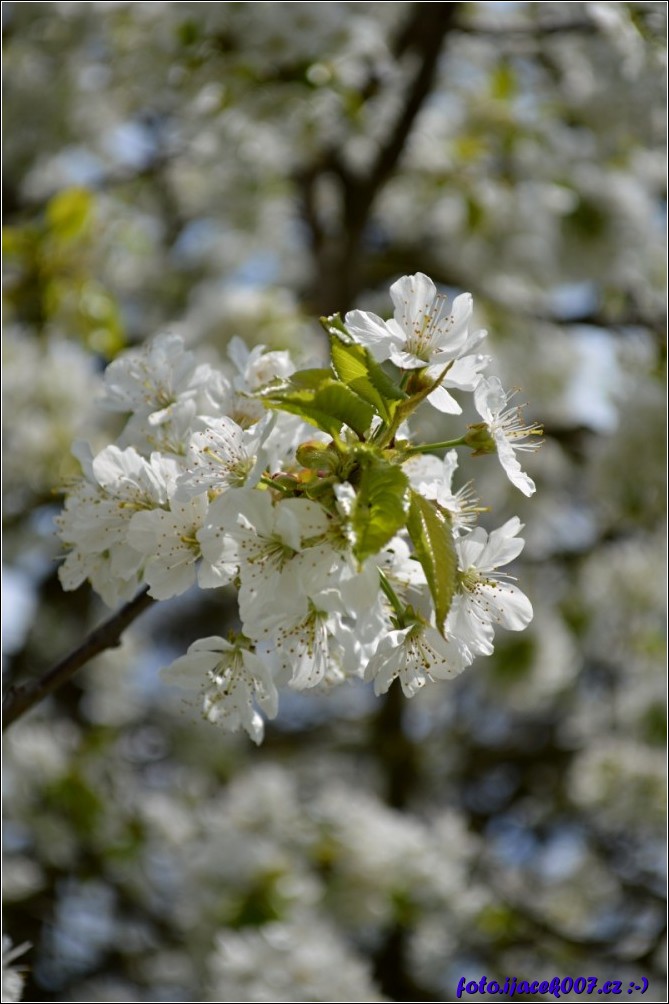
[[512, 608], [465, 372], [412, 296], [190, 670], [503, 545], [370, 331], [440, 399], [514, 471], [405, 360]]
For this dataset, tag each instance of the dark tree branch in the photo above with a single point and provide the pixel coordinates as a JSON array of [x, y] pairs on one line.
[[18, 700], [337, 250], [427, 31], [431, 24], [537, 29]]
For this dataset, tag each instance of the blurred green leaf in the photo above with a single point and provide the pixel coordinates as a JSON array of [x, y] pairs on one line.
[[503, 82], [69, 213]]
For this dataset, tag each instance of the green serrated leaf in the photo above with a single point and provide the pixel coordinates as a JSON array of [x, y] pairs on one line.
[[384, 384], [335, 326], [308, 411], [355, 366], [348, 360], [312, 378], [432, 538], [356, 361], [380, 508], [339, 400], [321, 400]]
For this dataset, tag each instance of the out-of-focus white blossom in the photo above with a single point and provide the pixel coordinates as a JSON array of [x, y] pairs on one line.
[[154, 381], [47, 397], [301, 959]]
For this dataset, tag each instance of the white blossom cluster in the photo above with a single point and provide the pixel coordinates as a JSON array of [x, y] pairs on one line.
[[353, 554]]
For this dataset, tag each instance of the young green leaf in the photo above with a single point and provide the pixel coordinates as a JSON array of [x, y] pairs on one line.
[[307, 410], [303, 379], [430, 531], [380, 508], [355, 366], [321, 400], [339, 400]]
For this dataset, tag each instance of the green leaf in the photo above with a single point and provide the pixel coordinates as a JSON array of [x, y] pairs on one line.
[[69, 213], [306, 409], [340, 401], [321, 400], [360, 359], [335, 326], [432, 538], [503, 82], [355, 366], [380, 508], [309, 378]]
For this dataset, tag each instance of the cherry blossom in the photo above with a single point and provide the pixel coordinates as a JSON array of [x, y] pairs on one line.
[[415, 654], [231, 678], [488, 597], [334, 579], [424, 334], [222, 456], [507, 430]]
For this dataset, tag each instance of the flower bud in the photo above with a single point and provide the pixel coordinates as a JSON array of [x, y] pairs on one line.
[[478, 438], [286, 481], [317, 456]]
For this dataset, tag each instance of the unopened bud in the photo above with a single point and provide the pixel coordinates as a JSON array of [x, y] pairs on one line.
[[317, 456], [478, 438], [286, 481], [320, 487]]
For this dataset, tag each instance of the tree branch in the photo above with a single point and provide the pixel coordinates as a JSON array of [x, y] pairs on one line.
[[19, 700], [427, 31], [430, 28], [535, 29], [338, 253]]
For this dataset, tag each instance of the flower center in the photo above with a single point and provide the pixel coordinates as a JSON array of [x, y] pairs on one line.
[[430, 330]]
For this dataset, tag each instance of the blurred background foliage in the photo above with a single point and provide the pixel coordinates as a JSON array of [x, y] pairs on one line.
[[240, 168]]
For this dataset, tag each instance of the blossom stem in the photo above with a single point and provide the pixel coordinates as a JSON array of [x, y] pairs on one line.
[[393, 598], [407, 407], [19, 700], [271, 483], [429, 447]]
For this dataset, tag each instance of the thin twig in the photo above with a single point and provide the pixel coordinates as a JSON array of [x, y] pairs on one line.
[[18, 700]]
